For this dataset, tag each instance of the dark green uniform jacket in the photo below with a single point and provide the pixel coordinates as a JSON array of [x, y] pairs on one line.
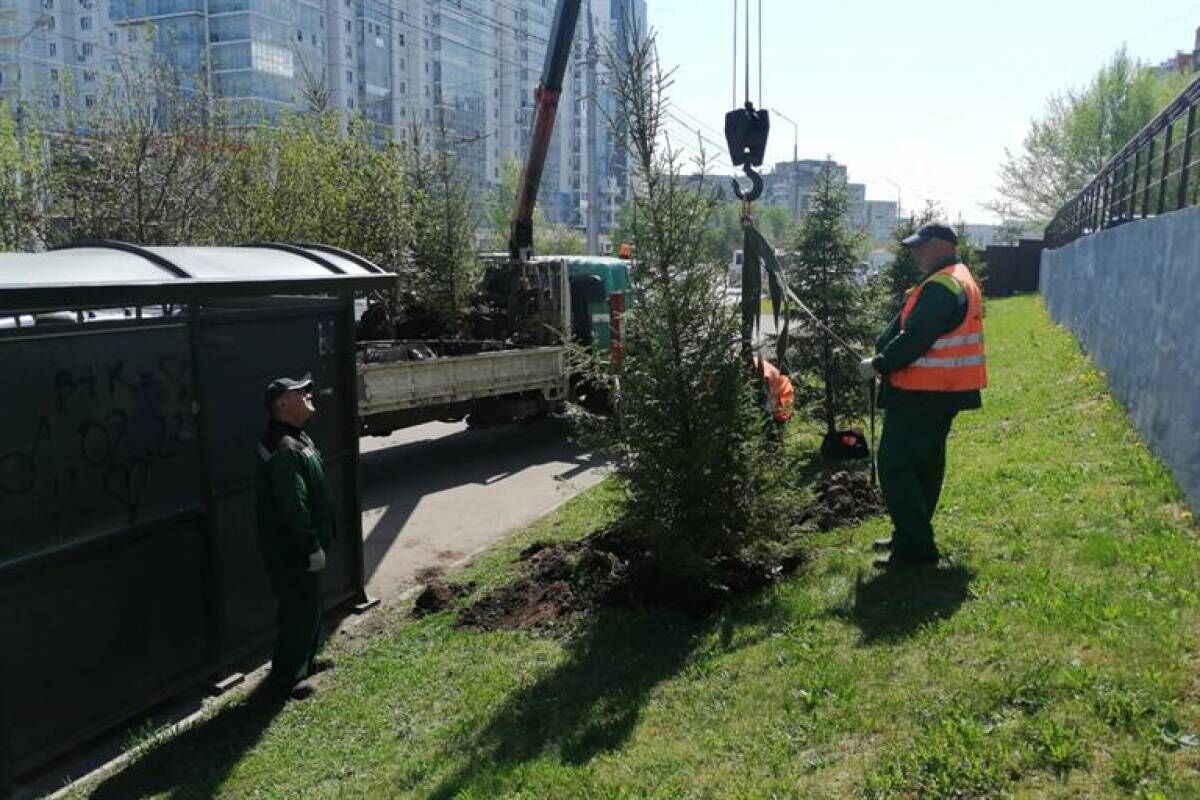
[[295, 501], [940, 309]]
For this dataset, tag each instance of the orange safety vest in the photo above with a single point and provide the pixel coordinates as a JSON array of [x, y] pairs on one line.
[[780, 393], [956, 362]]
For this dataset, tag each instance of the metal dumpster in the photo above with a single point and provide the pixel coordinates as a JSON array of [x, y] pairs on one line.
[[132, 384]]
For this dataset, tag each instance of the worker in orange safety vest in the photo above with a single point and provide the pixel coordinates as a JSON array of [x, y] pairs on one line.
[[931, 365], [780, 394]]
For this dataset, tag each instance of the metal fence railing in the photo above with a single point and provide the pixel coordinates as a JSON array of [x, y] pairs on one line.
[[1156, 172]]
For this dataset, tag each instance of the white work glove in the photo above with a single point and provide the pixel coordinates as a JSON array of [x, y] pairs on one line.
[[866, 369], [316, 561]]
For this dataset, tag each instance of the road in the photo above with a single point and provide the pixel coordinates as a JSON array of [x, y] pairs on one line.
[[434, 494]]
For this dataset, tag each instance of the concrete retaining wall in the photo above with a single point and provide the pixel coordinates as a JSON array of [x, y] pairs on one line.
[[1131, 295]]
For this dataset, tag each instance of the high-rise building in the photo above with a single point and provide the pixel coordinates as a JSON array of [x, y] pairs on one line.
[[468, 66]]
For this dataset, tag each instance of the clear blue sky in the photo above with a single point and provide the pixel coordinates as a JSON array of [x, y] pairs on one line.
[[925, 94]]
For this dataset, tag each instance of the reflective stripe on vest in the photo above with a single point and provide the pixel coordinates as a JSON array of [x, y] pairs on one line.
[[950, 363], [957, 341], [955, 362]]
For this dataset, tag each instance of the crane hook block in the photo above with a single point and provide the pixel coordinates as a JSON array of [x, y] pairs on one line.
[[746, 133]]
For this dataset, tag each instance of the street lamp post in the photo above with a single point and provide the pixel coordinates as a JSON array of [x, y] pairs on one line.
[[795, 162], [897, 186]]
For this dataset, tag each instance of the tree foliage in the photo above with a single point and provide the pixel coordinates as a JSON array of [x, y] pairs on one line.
[[824, 276], [145, 166], [903, 272], [690, 448], [23, 183], [548, 239], [1080, 130]]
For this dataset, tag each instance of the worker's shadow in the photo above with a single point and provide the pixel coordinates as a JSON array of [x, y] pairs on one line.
[[894, 604], [195, 763], [591, 702]]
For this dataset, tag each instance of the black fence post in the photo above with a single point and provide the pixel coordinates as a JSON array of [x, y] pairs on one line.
[[1186, 163], [1166, 168], [1133, 187], [1149, 172]]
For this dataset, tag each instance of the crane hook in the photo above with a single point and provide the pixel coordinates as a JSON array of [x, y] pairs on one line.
[[756, 185]]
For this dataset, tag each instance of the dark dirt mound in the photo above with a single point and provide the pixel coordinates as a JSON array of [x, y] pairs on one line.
[[563, 580], [845, 498], [439, 595]]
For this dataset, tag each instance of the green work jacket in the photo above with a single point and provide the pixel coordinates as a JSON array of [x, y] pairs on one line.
[[295, 501]]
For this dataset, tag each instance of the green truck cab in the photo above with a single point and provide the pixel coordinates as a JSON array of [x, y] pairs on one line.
[[593, 282]]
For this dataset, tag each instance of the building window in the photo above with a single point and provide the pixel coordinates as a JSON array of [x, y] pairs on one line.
[[51, 24], [87, 49], [55, 101], [54, 75], [89, 76], [89, 101], [349, 76], [349, 52], [53, 49], [402, 88], [402, 40], [112, 38], [130, 35], [348, 30], [48, 5], [299, 36], [85, 23]]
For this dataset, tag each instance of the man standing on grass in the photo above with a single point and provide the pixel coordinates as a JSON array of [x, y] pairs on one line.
[[295, 526], [931, 365]]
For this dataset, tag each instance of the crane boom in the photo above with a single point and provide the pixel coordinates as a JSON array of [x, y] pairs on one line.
[[549, 90]]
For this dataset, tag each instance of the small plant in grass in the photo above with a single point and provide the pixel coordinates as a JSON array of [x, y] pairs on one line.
[[953, 759], [1057, 746], [1123, 708], [1138, 769]]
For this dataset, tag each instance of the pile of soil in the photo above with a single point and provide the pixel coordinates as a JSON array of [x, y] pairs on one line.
[[564, 580], [439, 595], [845, 498]]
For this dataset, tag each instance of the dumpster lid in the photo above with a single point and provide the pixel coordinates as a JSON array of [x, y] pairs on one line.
[[102, 273]]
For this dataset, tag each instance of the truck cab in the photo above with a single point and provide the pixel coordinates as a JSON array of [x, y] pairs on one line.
[[593, 281]]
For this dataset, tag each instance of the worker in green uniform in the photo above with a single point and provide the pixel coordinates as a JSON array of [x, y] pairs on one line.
[[931, 365], [295, 529]]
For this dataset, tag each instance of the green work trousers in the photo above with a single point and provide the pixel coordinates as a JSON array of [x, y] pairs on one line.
[[912, 466], [298, 620]]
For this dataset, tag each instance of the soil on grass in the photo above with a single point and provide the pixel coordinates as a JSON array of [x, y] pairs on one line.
[[438, 595], [559, 581], [844, 498], [563, 580]]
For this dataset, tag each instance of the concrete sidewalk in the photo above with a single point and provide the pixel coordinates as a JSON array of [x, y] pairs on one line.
[[436, 494]]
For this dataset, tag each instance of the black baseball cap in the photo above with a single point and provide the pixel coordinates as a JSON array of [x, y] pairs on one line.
[[280, 385], [934, 230]]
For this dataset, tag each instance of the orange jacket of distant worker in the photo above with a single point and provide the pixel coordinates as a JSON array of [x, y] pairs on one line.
[[780, 395]]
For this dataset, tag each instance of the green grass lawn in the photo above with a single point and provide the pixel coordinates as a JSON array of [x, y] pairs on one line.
[[1056, 655]]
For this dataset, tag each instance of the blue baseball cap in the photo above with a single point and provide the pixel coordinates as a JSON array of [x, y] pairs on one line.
[[934, 230]]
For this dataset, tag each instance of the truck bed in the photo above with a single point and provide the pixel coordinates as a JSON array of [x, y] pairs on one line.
[[386, 385]]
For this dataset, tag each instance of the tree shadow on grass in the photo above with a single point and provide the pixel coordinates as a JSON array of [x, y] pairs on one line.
[[195, 763], [591, 703], [894, 604]]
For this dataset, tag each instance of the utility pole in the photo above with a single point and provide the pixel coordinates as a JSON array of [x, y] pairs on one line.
[[795, 162], [593, 187]]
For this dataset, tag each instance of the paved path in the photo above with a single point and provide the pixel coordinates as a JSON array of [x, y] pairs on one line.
[[434, 494]]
